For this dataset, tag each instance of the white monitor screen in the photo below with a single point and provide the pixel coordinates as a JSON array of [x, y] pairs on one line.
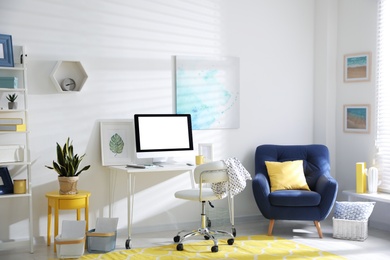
[[162, 133]]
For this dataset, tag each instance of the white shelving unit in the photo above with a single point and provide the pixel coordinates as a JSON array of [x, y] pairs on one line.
[[22, 169]]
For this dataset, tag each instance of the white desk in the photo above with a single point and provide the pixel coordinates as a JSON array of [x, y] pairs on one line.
[[381, 197], [131, 176]]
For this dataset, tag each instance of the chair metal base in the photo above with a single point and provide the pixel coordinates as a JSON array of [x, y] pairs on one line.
[[205, 232]]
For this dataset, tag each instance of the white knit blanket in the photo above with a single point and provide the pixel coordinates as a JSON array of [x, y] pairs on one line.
[[238, 176]]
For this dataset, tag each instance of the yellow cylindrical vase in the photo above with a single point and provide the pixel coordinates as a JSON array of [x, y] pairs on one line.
[[20, 186], [361, 177]]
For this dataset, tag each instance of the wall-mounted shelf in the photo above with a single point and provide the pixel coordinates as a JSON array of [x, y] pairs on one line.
[[65, 70]]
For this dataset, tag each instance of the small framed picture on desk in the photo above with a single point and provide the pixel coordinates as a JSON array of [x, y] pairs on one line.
[[207, 151], [117, 144]]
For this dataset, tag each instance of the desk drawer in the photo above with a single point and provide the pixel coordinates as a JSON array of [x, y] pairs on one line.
[[72, 204]]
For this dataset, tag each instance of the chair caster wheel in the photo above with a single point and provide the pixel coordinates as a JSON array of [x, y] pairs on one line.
[[230, 241], [214, 249], [128, 244], [234, 232], [179, 247], [176, 239], [206, 237]]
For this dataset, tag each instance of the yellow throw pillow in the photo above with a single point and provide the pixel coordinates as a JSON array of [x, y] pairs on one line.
[[287, 175]]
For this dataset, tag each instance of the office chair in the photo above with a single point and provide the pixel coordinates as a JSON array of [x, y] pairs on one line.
[[208, 173]]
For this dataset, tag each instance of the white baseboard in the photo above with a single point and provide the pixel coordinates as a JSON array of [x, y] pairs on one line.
[[7, 245], [181, 226]]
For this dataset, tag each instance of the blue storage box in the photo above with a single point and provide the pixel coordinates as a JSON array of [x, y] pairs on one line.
[[8, 82], [103, 237], [100, 242]]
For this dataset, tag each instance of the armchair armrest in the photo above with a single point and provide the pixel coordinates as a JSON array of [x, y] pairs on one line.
[[261, 190], [327, 187]]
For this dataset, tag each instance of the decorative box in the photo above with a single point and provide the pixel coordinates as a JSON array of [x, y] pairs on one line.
[[350, 229], [103, 237], [71, 243], [100, 242], [11, 153], [8, 82]]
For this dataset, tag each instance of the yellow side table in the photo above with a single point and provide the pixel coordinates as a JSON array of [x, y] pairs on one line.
[[65, 202]]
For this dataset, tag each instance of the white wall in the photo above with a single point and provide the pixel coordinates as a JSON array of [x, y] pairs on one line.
[[357, 33], [126, 49], [325, 56]]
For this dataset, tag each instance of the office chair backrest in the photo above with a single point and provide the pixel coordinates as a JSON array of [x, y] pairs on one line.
[[211, 172]]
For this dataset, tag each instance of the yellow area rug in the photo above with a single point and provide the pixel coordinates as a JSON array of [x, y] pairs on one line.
[[251, 247]]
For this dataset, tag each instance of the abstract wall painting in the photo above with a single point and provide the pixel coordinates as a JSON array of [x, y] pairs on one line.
[[356, 118], [208, 89], [357, 67]]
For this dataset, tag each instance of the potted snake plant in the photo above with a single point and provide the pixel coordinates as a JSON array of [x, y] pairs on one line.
[[12, 104], [67, 168]]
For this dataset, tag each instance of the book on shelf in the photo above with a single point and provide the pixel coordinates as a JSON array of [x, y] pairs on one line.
[[11, 121], [17, 128]]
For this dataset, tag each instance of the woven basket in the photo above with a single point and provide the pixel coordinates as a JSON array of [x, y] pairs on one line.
[[350, 229], [68, 185]]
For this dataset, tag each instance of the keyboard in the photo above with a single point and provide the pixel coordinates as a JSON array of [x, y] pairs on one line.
[[139, 166]]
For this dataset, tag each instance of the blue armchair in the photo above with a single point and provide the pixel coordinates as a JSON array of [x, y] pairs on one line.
[[314, 205]]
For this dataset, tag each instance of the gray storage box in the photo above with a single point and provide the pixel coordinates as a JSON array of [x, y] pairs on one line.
[[103, 237], [100, 242]]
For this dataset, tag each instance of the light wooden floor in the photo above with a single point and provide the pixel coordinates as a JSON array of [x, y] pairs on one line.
[[375, 247]]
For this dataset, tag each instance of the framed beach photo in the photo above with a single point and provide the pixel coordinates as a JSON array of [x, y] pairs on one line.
[[357, 67], [357, 118], [6, 51], [117, 144]]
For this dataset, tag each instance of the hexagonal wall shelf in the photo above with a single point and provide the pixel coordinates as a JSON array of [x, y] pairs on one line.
[[68, 76]]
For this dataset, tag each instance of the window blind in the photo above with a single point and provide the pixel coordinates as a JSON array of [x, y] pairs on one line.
[[383, 95]]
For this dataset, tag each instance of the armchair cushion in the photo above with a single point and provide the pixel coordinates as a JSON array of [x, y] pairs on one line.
[[287, 175], [294, 198]]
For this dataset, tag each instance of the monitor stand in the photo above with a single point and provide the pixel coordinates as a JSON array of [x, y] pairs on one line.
[[168, 162]]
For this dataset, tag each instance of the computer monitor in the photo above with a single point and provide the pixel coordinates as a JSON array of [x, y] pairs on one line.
[[163, 136]]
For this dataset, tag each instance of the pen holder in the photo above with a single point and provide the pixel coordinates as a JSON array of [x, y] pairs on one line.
[[199, 159], [20, 186]]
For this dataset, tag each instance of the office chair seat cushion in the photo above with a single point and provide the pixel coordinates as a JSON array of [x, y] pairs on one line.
[[193, 194], [294, 198]]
